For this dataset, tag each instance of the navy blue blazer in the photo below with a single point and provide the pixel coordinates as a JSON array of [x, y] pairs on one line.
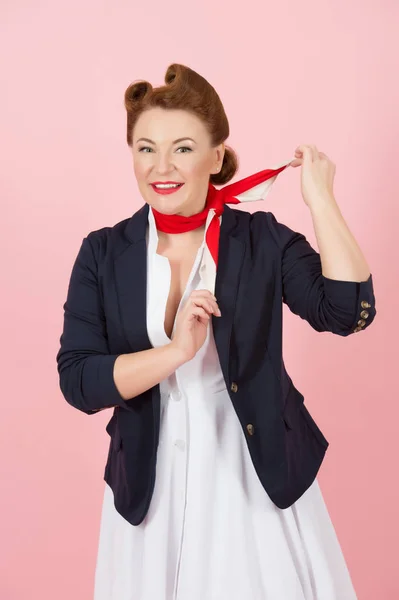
[[262, 263]]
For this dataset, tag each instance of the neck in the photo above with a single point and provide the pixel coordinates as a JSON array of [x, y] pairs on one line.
[[191, 212], [194, 209]]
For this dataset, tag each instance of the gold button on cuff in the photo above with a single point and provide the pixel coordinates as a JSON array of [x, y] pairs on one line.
[[365, 304], [250, 429], [364, 314], [361, 322], [358, 329], [234, 387]]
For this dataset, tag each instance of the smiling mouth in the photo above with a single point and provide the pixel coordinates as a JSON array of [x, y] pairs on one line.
[[166, 188]]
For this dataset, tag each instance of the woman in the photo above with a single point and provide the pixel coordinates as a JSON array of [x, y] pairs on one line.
[[174, 319]]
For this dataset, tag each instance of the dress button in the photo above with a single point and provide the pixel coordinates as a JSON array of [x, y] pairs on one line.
[[364, 314], [180, 444], [250, 429], [361, 322], [234, 387], [358, 329], [365, 304]]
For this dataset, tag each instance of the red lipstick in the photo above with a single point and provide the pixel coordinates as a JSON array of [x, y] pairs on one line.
[[170, 190]]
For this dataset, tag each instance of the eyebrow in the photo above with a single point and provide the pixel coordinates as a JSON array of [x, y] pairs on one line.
[[175, 142]]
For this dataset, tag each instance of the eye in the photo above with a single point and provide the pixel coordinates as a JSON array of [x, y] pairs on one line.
[[143, 148]]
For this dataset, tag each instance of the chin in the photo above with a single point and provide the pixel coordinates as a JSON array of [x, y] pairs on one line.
[[167, 205], [167, 208]]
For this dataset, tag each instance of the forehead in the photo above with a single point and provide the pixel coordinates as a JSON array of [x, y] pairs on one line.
[[161, 124]]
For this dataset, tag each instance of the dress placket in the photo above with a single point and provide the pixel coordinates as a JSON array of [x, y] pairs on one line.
[[173, 398]]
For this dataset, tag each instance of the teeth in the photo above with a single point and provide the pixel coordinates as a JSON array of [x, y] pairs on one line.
[[166, 186]]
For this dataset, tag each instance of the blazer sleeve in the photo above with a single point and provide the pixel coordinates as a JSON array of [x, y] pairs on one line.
[[84, 363], [340, 307]]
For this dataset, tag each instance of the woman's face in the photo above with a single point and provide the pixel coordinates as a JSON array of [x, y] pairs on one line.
[[174, 146]]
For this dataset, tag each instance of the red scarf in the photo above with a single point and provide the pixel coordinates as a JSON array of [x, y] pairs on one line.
[[251, 188]]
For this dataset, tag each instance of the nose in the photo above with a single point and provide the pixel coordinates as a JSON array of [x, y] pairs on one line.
[[163, 163]]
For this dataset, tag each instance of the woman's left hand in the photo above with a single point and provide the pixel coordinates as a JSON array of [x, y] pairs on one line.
[[317, 174]]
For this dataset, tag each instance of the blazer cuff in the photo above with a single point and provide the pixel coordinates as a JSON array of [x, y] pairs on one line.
[[356, 294], [99, 385]]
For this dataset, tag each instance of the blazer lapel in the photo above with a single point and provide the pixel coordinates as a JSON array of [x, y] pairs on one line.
[[131, 281], [230, 260]]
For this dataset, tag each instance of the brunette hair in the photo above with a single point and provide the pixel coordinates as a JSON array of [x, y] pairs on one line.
[[185, 89]]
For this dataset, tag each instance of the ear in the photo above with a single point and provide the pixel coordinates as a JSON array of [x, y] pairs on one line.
[[219, 155]]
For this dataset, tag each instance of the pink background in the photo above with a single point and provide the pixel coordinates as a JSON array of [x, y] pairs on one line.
[[288, 73]]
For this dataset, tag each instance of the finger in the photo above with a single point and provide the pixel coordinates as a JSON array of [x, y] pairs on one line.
[[296, 163], [197, 312], [216, 309], [310, 149], [307, 153], [205, 297], [213, 308], [315, 152], [209, 305]]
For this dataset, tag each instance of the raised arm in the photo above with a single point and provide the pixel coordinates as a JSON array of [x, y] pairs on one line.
[[340, 306]]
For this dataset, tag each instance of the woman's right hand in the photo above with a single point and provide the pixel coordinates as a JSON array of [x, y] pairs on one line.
[[192, 322]]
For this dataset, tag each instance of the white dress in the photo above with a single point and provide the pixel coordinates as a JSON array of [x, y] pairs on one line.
[[212, 532]]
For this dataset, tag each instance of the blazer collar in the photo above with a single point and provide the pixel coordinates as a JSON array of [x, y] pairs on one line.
[[136, 226]]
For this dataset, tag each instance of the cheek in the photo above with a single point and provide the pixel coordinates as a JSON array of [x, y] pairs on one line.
[[139, 170], [197, 169]]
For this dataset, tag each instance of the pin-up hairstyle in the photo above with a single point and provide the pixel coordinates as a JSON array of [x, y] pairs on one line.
[[186, 90]]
